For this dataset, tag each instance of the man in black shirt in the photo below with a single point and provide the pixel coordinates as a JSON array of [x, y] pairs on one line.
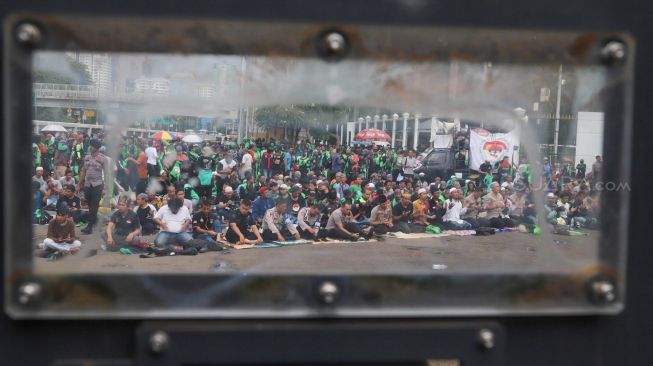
[[68, 197], [226, 202], [242, 227], [123, 229], [145, 212], [402, 213], [277, 163], [580, 169], [295, 202], [206, 225]]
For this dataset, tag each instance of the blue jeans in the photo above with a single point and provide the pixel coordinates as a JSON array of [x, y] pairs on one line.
[[165, 238], [451, 225]]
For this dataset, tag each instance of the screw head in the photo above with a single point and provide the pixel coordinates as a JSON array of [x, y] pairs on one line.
[[603, 292], [328, 292], [28, 34], [29, 292], [159, 341], [333, 45], [613, 52], [486, 338]]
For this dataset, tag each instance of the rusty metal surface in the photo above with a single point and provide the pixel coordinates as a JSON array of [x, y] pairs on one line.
[[421, 44]]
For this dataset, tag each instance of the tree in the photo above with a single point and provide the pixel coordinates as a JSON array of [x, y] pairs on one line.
[[73, 72], [294, 118]]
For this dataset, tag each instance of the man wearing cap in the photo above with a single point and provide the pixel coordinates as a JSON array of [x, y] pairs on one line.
[[94, 170], [282, 195], [421, 181], [277, 225], [123, 230], [422, 209], [60, 238], [455, 209], [38, 177], [225, 202], [262, 204], [494, 203]]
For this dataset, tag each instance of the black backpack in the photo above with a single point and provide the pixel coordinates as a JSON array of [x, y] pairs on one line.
[[483, 231]]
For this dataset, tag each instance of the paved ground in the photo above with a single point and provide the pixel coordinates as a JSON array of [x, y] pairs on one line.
[[503, 252]]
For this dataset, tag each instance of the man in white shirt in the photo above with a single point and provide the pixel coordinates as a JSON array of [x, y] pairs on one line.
[[246, 164], [455, 209], [409, 164], [227, 166], [152, 156], [174, 220]]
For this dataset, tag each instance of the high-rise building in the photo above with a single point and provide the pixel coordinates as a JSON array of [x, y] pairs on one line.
[[158, 86], [206, 91], [98, 66], [225, 78]]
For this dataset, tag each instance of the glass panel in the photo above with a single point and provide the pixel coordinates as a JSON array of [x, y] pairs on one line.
[[198, 127]]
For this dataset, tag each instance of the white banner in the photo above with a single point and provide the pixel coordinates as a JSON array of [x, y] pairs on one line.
[[484, 145]]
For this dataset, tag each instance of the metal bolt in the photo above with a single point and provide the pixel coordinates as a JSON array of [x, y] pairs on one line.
[[613, 52], [29, 293], [328, 292], [486, 338], [334, 45], [28, 34], [603, 292], [159, 341]]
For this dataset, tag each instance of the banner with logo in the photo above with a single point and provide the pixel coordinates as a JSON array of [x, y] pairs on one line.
[[484, 145]]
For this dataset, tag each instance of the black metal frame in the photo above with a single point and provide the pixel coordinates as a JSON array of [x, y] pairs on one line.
[[253, 295], [622, 339]]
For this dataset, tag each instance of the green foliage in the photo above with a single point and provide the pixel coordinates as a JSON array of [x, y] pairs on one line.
[[313, 117], [77, 73]]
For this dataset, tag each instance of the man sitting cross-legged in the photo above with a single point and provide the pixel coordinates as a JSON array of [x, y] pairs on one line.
[[174, 220], [277, 225], [242, 227], [123, 229], [342, 226], [308, 222], [61, 238]]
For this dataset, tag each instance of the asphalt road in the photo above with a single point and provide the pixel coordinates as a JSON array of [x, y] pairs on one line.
[[501, 253]]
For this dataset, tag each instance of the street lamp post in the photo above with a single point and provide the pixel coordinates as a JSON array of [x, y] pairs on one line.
[[416, 134], [556, 133], [394, 128], [403, 137]]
